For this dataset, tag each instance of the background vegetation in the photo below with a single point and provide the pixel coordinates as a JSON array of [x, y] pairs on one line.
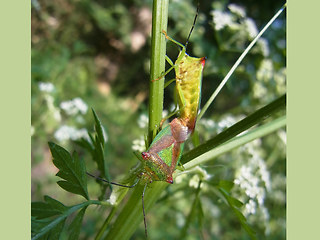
[[96, 54]]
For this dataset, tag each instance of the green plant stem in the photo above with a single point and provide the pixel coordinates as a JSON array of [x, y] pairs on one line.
[[131, 215], [157, 65]]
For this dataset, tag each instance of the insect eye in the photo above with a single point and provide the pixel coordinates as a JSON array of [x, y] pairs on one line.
[[145, 155]]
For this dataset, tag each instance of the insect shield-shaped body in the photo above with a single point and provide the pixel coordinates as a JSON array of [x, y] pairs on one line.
[[164, 152], [188, 84], [188, 72]]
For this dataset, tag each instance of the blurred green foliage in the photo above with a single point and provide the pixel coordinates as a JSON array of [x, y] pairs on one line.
[[99, 51]]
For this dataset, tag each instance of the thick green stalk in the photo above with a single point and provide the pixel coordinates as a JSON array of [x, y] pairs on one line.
[[157, 65], [131, 216]]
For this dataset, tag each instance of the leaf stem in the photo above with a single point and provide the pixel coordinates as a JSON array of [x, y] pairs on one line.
[[237, 142]]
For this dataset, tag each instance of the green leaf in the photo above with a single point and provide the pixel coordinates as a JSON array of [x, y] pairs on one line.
[[234, 204], [97, 147], [50, 228], [227, 185], [98, 128], [75, 226], [49, 208], [72, 170], [196, 212], [55, 232]]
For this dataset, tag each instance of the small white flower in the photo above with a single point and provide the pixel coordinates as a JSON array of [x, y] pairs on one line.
[[75, 106], [264, 45], [221, 19], [46, 87], [81, 105], [143, 121], [259, 90], [194, 181], [251, 27], [65, 133], [54, 111], [113, 198], [208, 123], [265, 72], [250, 207], [237, 10], [180, 178], [138, 145]]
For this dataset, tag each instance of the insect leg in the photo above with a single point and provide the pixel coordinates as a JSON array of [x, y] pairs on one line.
[[113, 183], [171, 39], [162, 75], [169, 61]]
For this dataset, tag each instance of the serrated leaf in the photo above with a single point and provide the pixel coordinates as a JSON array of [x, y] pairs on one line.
[[75, 226], [55, 204], [38, 224], [48, 228], [49, 208], [55, 233], [42, 228], [72, 169]]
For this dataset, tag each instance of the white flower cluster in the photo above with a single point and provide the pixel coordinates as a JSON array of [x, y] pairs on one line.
[[143, 121], [201, 175], [52, 108], [236, 20], [267, 76], [221, 19], [65, 133], [138, 145], [46, 87], [74, 106], [254, 179]]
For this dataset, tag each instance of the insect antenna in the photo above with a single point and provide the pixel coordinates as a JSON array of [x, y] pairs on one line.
[[194, 23], [126, 186], [144, 214], [113, 183]]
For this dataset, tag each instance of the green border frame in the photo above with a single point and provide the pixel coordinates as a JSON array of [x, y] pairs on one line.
[[303, 86], [15, 92], [303, 161]]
